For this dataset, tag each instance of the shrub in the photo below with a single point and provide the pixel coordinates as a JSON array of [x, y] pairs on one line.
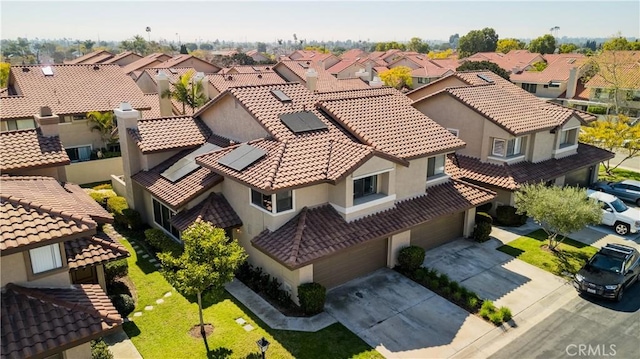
[[243, 273], [116, 269], [421, 275], [597, 110], [433, 284], [273, 287], [496, 317], [117, 287], [102, 196], [483, 217], [103, 186], [506, 313], [160, 242], [487, 309], [482, 232], [507, 216], [312, 297], [116, 205], [411, 258], [472, 302], [485, 207], [445, 291], [443, 280], [100, 350], [124, 304], [432, 273], [133, 219], [456, 295]]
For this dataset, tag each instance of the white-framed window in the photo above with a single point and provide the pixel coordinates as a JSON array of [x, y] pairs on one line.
[[162, 216], [45, 258], [435, 166], [568, 137], [21, 124], [454, 131], [273, 203], [508, 148], [499, 147], [365, 186], [79, 153]]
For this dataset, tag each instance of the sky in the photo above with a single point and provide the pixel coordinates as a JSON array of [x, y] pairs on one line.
[[268, 21]]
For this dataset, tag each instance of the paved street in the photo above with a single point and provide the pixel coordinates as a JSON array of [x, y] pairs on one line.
[[631, 164], [606, 328]]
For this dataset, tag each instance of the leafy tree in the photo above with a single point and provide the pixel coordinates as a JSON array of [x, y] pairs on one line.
[[545, 44], [397, 77], [88, 45], [416, 44], [539, 66], [484, 65], [103, 123], [613, 68], [506, 45], [188, 92], [4, 74], [616, 44], [485, 40], [386, 46], [453, 40], [615, 134], [191, 46], [320, 49], [207, 47], [209, 261], [441, 54], [558, 210], [634, 46], [568, 48], [183, 49], [591, 44], [261, 47], [137, 44]]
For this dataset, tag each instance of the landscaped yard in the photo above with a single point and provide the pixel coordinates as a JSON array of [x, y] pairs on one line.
[[570, 257], [163, 331], [618, 174]]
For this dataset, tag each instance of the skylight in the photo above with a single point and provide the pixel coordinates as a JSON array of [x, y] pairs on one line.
[[281, 96]]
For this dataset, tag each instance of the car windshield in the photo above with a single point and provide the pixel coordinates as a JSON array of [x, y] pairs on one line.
[[608, 263], [619, 205]]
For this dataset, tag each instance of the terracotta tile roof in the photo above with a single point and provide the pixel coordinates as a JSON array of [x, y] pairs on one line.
[[514, 59], [153, 102], [512, 176], [91, 58], [358, 93], [224, 82], [352, 54], [181, 60], [342, 65], [391, 125], [37, 322], [215, 210], [319, 232], [380, 69], [98, 249], [26, 149], [557, 70], [430, 69], [169, 133], [146, 62], [120, 56], [295, 162], [326, 81], [626, 73], [247, 69], [450, 63], [73, 89], [176, 194]]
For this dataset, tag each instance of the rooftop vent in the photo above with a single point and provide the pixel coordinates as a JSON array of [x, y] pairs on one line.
[[259, 76], [281, 96], [304, 121], [25, 69], [267, 68], [96, 67], [256, 69], [45, 111], [242, 157], [47, 71], [304, 65], [485, 78], [230, 78]]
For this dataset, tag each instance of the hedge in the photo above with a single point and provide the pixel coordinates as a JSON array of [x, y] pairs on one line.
[[482, 231], [411, 258], [312, 297], [124, 304], [116, 205], [102, 196], [100, 350], [507, 216], [116, 269], [160, 242]]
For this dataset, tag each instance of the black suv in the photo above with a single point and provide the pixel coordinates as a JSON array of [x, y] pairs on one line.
[[609, 272]]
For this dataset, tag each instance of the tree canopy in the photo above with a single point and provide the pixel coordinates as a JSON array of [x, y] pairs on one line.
[[188, 92], [484, 65], [397, 77], [545, 44], [4, 74], [567, 48], [416, 44], [103, 123], [558, 210], [619, 43], [208, 262], [386, 46], [615, 134], [506, 45], [485, 40]]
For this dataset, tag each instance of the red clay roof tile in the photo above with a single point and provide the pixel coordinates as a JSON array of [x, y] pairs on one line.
[[169, 133], [215, 210], [24, 149], [98, 249]]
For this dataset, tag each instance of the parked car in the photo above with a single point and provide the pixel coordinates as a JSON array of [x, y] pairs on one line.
[[615, 213], [627, 190], [609, 272]]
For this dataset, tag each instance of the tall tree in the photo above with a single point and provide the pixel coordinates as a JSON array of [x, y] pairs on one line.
[[615, 134], [506, 45], [416, 44], [485, 40], [208, 262], [558, 210], [614, 69], [483, 65], [262, 47], [103, 123], [618, 43], [187, 91], [191, 46], [88, 45], [397, 77], [453, 40], [183, 49], [567, 48], [545, 44]]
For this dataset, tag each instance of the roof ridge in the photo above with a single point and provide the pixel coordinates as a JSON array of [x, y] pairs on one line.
[[373, 95], [297, 238], [110, 244], [48, 209]]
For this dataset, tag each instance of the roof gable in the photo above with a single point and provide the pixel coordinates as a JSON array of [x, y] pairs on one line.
[[28, 149]]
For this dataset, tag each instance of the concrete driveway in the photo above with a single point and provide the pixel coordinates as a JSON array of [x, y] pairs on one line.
[[402, 319]]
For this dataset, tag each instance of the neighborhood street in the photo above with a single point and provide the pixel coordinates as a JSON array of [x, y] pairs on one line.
[[585, 327]]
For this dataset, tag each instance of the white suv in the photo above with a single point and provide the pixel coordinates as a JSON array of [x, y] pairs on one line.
[[615, 213]]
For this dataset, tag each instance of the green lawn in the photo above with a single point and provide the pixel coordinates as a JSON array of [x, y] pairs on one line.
[[163, 331], [618, 174], [570, 257]]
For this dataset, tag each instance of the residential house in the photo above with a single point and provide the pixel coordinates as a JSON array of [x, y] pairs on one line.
[[135, 68], [52, 270], [70, 92], [513, 61], [346, 69], [123, 59], [353, 54], [320, 187], [512, 137], [257, 56], [246, 69], [326, 60], [189, 61], [95, 57], [558, 80], [314, 76]]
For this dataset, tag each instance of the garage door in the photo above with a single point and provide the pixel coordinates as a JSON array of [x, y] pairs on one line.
[[352, 263], [581, 177], [435, 233]]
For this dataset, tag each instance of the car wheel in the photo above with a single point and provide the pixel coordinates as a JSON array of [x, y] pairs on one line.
[[638, 202], [621, 228], [620, 294]]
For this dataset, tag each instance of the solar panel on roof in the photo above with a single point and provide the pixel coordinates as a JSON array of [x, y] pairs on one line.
[[485, 78], [281, 96], [304, 121], [187, 164], [304, 66], [257, 69], [242, 157]]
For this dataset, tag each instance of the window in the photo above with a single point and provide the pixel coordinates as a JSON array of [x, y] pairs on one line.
[[454, 131], [568, 137], [530, 87], [45, 258], [498, 147], [283, 201], [435, 166], [162, 216], [365, 186], [23, 124], [78, 154], [515, 146], [606, 94], [78, 117], [633, 95], [510, 148]]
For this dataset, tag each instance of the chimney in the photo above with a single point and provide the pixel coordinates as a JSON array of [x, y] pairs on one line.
[[312, 80], [128, 119], [363, 75], [166, 108], [200, 76], [572, 82], [376, 82], [369, 71], [48, 122]]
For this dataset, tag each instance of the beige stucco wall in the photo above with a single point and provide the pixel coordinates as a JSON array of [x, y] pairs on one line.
[[405, 62], [14, 270], [350, 71], [127, 60], [82, 351], [396, 243], [286, 73], [435, 87], [410, 181], [94, 171], [541, 146], [229, 119], [373, 165], [78, 133], [146, 84], [151, 160], [199, 65], [550, 92]]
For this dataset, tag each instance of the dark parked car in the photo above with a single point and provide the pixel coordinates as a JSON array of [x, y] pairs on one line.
[[627, 190], [609, 272]]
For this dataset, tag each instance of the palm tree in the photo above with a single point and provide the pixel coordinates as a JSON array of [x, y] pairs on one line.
[[103, 123], [187, 91]]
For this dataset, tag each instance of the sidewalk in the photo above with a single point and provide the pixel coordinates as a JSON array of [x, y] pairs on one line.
[[121, 346]]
